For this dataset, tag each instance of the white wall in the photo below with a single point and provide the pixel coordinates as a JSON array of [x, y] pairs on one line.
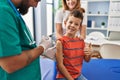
[[29, 20], [40, 21]]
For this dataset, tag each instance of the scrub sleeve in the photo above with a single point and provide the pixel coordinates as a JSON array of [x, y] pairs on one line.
[[13, 41]]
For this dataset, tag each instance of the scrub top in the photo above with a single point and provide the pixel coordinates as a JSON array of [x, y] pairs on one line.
[[15, 38]]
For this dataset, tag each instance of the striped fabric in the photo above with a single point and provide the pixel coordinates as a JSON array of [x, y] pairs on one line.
[[73, 53]]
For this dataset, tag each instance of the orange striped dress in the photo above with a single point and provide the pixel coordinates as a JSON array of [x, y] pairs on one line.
[[73, 53]]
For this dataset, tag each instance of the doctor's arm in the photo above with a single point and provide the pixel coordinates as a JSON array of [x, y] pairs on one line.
[[13, 63]]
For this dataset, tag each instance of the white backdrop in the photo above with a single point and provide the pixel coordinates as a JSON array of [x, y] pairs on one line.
[[29, 20]]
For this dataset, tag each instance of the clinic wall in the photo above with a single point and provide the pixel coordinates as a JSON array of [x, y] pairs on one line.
[[40, 21], [29, 20], [37, 22]]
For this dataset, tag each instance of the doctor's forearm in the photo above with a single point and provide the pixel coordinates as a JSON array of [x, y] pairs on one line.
[[14, 63]]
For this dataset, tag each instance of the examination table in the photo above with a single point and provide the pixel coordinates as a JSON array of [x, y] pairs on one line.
[[102, 69]]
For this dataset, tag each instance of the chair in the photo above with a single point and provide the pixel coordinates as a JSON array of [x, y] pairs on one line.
[[110, 51], [102, 69], [93, 38], [97, 34], [114, 35]]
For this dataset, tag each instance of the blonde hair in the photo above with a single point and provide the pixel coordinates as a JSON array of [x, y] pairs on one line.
[[78, 6]]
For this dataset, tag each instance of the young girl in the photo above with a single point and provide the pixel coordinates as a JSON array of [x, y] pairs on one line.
[[70, 50], [61, 14]]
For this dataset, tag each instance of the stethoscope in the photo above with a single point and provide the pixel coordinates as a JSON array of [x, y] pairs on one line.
[[29, 37]]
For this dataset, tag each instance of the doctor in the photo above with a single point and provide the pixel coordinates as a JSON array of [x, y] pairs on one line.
[[19, 55]]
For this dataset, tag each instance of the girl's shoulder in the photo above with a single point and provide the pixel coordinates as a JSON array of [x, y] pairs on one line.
[[62, 11]]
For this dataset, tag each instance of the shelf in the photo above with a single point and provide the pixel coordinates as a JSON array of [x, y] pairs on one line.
[[98, 8], [115, 15], [107, 11], [97, 28], [115, 0], [98, 0], [97, 14]]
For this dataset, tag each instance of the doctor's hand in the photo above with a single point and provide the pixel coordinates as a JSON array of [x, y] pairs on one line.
[[46, 42]]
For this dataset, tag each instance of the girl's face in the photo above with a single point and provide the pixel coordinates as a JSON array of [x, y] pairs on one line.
[[72, 25], [71, 4]]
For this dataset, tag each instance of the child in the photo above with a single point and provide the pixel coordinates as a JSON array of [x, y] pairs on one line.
[[62, 13], [70, 50]]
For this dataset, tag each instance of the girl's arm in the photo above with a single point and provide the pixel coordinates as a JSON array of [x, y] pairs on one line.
[[88, 52], [59, 31], [83, 32], [59, 59], [58, 23], [84, 26]]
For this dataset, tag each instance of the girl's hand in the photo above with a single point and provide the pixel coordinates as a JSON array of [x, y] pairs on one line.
[[88, 52], [81, 37], [88, 48]]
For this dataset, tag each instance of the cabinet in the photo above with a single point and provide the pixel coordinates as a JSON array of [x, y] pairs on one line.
[[114, 16], [102, 15]]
